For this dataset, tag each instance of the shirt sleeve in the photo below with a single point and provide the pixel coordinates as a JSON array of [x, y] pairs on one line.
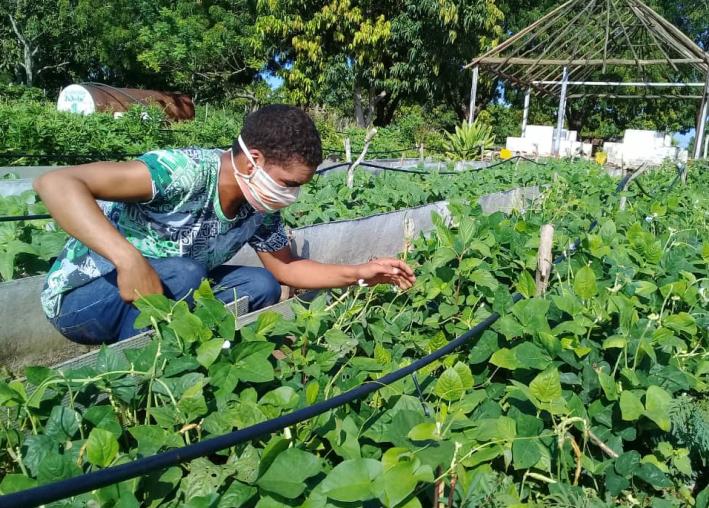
[[171, 174], [270, 236]]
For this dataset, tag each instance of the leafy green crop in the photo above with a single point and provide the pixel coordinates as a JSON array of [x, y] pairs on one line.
[[587, 396], [26, 247], [327, 198]]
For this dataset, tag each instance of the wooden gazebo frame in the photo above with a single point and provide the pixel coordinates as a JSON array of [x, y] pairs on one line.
[[583, 40]]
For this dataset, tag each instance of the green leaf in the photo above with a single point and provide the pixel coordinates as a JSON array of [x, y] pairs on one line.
[[505, 358], [630, 406], [615, 483], [110, 360], [608, 385], [396, 484], [449, 385], [466, 377], [152, 306], [287, 474], [651, 474], [237, 495], [531, 314], [509, 327], [187, 325], [681, 322], [15, 483], [311, 392], [101, 447], [585, 283], [526, 285], [615, 341], [657, 406], [525, 453], [351, 481], [644, 288], [546, 386], [103, 417], [427, 431], [62, 424], [152, 438], [531, 356], [208, 352], [251, 361], [626, 464], [283, 397], [483, 278]]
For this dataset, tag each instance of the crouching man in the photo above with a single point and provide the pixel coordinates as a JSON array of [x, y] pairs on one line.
[[173, 217]]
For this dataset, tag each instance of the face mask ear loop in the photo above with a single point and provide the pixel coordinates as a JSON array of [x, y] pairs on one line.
[[236, 171]]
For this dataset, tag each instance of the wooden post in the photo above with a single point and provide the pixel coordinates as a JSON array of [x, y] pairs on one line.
[[473, 95], [544, 261], [421, 157], [350, 171], [348, 150], [560, 113], [706, 145], [701, 120], [525, 115]]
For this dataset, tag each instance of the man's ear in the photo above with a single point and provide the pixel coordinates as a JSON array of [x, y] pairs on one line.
[[258, 157]]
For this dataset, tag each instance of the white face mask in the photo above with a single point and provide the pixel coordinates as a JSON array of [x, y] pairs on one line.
[[260, 190]]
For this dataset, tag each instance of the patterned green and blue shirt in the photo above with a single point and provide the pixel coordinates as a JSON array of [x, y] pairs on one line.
[[183, 219]]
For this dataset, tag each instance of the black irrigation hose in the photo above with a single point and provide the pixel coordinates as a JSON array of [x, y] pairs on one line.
[[24, 217], [398, 150], [417, 172], [115, 474]]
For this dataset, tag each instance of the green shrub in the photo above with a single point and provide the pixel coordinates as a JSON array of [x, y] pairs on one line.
[[469, 141]]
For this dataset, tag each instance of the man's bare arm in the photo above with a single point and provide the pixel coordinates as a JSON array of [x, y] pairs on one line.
[[70, 195]]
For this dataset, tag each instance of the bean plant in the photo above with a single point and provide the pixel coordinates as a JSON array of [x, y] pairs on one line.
[[593, 394]]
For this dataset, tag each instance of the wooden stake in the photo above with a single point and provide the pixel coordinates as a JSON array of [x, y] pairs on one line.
[[544, 261], [348, 150], [350, 171]]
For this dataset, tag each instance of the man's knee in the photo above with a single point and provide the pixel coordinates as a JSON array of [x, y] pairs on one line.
[[179, 276], [266, 289]]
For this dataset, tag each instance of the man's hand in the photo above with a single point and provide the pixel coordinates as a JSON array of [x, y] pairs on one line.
[[387, 271], [136, 278]]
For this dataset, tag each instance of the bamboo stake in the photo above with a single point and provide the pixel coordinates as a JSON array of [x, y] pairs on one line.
[[544, 259], [608, 30], [552, 45], [649, 31], [542, 43], [627, 37]]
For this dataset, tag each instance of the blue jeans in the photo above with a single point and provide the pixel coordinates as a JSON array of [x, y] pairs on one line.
[[96, 314]]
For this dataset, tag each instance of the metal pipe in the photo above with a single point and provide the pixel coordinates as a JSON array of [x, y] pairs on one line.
[[525, 115], [620, 83], [702, 120], [560, 112], [473, 94]]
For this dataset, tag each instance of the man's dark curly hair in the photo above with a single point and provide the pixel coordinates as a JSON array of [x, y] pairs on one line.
[[284, 134]]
